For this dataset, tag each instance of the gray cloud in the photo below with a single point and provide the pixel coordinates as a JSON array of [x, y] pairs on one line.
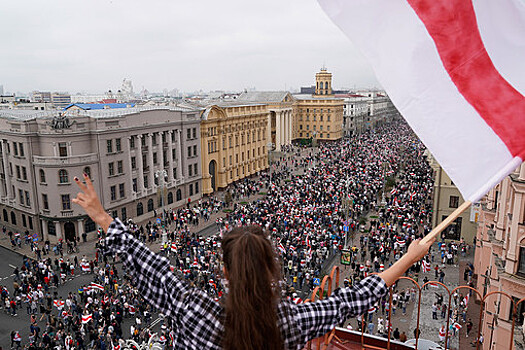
[[90, 45]]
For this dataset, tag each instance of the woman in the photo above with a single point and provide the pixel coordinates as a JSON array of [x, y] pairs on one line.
[[254, 316]]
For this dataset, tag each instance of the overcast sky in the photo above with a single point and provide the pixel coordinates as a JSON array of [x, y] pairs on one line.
[[91, 45]]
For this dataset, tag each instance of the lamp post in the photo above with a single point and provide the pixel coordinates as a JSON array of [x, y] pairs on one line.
[[269, 145], [161, 176], [347, 211]]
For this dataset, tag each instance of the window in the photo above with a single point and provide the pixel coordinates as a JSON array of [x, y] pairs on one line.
[[140, 209], [13, 218], [144, 161], [110, 146], [121, 190], [195, 169], [15, 148], [521, 264], [194, 150], [120, 167], [190, 168], [42, 176], [189, 151], [28, 202], [6, 217], [150, 205], [194, 133], [111, 169], [191, 189], [113, 190], [89, 225], [155, 160], [45, 202], [196, 187], [188, 134], [134, 184], [30, 220], [117, 145], [51, 228], [170, 197], [142, 141], [114, 213], [453, 202], [66, 203], [173, 154], [132, 142], [21, 196], [153, 139], [21, 149], [175, 173], [123, 214], [24, 222], [133, 163], [454, 230], [173, 135], [18, 176], [328, 117], [87, 171], [63, 178]]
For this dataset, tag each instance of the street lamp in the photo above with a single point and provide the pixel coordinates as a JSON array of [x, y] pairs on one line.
[[161, 175], [269, 145]]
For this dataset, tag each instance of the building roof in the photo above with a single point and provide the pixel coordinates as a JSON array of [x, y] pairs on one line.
[[349, 95], [263, 96], [92, 106], [315, 97]]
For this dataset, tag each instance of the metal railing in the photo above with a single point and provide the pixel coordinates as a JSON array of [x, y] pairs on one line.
[[329, 280]]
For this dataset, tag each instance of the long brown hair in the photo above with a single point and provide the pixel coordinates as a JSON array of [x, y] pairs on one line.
[[253, 282]]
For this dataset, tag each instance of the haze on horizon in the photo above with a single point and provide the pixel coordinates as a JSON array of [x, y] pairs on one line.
[[90, 46]]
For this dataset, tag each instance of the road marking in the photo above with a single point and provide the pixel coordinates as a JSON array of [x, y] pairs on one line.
[[12, 266]]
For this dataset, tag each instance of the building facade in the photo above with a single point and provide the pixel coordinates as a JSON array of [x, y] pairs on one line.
[[233, 142], [500, 261], [280, 105], [125, 152], [446, 199], [319, 116]]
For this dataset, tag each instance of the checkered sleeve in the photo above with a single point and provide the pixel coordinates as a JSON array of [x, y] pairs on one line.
[[318, 318], [150, 272]]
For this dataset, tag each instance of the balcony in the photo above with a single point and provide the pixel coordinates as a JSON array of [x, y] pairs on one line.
[[70, 160]]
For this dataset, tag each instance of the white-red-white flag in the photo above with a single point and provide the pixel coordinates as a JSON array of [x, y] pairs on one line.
[[96, 286], [454, 70], [87, 318]]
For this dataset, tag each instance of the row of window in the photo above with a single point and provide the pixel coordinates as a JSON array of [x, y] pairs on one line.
[[18, 148], [314, 118], [315, 127], [243, 168], [25, 219], [321, 135], [63, 175], [242, 156]]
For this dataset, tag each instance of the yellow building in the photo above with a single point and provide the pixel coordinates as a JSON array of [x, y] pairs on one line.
[[320, 115], [233, 143]]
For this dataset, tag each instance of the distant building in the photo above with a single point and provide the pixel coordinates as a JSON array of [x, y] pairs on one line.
[[500, 261], [355, 112], [98, 106], [446, 199], [280, 105], [41, 96], [320, 115], [60, 99], [233, 138], [123, 151]]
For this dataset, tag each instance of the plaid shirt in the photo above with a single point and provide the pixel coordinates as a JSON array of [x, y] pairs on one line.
[[198, 319]]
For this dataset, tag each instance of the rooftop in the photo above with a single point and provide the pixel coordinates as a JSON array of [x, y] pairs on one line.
[[91, 106], [263, 96]]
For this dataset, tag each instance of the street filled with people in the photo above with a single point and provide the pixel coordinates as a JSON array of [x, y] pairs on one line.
[[368, 196]]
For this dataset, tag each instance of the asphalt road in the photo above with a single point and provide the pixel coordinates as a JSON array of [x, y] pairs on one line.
[[8, 261]]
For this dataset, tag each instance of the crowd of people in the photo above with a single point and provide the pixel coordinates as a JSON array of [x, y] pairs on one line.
[[314, 206]]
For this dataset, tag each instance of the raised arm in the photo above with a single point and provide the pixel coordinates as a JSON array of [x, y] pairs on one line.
[[151, 272]]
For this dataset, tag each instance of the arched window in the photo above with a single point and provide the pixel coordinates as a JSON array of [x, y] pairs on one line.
[[87, 171], [13, 218], [42, 176], [140, 209], [150, 204], [6, 217], [62, 176], [179, 195], [170, 198]]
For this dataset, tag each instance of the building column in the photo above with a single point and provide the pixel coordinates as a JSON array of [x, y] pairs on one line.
[[290, 126], [150, 161], [58, 229], [514, 233], [161, 153], [283, 128], [170, 157], [269, 131], [80, 227], [6, 170], [178, 146], [45, 233], [140, 165], [128, 152], [277, 131]]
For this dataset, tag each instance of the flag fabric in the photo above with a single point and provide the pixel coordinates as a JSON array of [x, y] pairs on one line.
[[59, 304], [442, 333], [85, 266], [425, 265], [457, 326], [393, 191], [174, 247], [87, 318], [466, 299], [454, 70], [372, 310], [96, 286], [281, 248]]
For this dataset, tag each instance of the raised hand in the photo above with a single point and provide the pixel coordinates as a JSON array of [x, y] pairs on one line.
[[89, 201]]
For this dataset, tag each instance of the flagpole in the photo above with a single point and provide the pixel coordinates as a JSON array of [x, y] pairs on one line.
[[444, 224]]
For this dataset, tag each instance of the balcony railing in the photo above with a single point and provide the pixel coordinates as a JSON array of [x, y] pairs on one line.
[[70, 160], [340, 338]]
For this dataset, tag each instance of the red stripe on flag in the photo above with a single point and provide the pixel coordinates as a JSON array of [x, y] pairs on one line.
[[454, 29]]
